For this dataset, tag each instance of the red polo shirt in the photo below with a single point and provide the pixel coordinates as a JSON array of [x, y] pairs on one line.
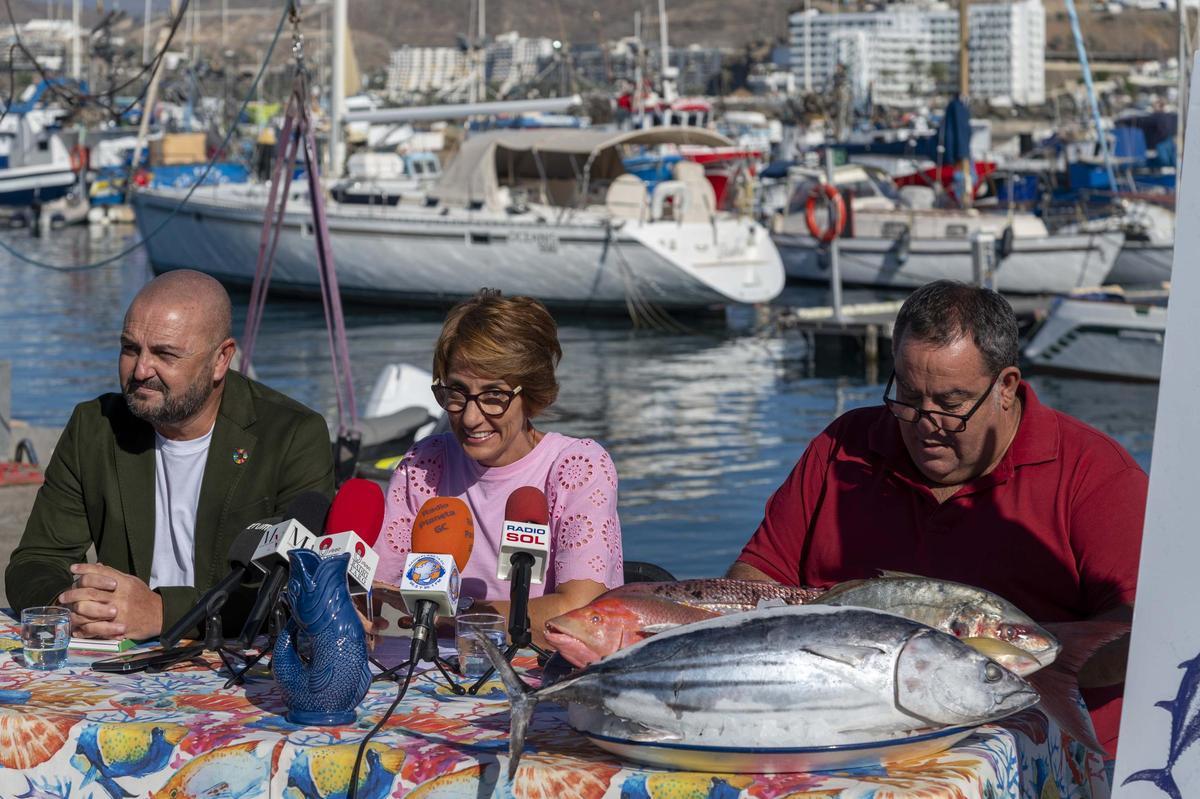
[[1055, 528]]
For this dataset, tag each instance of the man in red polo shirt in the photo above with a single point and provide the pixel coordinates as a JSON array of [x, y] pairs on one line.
[[964, 475]]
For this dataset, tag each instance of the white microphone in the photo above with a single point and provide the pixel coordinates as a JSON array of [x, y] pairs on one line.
[[525, 535], [430, 577], [364, 560]]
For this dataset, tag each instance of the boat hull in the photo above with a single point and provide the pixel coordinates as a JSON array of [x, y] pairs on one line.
[[1048, 265], [424, 258], [1143, 263], [1102, 339]]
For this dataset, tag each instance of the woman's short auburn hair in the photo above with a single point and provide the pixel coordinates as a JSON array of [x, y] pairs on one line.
[[514, 339]]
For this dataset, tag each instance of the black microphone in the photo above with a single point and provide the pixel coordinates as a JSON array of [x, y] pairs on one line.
[[305, 513], [241, 554], [524, 550]]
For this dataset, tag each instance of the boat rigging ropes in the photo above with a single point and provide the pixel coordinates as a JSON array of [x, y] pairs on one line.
[[837, 212], [250, 95]]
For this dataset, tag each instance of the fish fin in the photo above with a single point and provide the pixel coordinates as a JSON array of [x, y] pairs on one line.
[[1167, 705], [655, 629], [772, 602], [521, 705], [1161, 777], [848, 654], [835, 591], [892, 574], [1061, 701], [1082, 639]]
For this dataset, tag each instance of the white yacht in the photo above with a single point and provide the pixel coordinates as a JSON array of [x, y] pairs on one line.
[[550, 213], [893, 243]]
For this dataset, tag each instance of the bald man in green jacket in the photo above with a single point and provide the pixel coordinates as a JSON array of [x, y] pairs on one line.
[[162, 477]]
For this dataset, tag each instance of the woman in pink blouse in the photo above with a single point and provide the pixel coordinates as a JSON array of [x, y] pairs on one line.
[[493, 372]]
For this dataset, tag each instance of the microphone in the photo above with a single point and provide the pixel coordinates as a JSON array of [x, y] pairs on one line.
[[442, 539], [241, 554], [524, 549], [353, 526], [305, 513]]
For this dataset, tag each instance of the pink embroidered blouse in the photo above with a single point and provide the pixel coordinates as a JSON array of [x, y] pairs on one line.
[[580, 483]]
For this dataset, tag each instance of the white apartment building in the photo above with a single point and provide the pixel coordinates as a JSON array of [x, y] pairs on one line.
[[513, 59], [910, 50], [416, 70]]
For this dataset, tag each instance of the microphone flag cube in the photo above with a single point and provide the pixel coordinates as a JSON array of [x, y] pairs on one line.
[[433, 577], [279, 540], [363, 559], [527, 537]]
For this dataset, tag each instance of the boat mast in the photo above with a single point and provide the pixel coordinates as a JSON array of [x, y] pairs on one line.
[[964, 91], [1185, 70], [337, 102], [668, 91], [76, 44], [1091, 92]]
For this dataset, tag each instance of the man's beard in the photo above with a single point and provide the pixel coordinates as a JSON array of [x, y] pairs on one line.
[[174, 408]]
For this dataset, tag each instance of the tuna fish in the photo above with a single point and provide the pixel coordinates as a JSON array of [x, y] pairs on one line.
[[961, 610], [721, 595], [795, 676], [586, 634]]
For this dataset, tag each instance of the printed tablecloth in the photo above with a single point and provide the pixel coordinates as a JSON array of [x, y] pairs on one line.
[[79, 734]]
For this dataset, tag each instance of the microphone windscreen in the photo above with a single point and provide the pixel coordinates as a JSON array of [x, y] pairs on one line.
[[444, 526], [309, 508], [358, 506], [527, 505], [241, 551]]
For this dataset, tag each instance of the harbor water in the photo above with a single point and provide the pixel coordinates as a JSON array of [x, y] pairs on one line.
[[702, 426]]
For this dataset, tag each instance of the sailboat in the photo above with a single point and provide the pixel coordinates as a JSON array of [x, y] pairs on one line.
[[552, 213]]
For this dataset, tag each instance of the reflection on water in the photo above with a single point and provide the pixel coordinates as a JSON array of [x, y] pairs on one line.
[[702, 427]]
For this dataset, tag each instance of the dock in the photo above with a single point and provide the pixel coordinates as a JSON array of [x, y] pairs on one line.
[[862, 326]]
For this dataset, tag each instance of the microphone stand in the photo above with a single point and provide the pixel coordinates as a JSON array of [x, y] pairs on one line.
[[424, 648], [520, 636], [214, 641]]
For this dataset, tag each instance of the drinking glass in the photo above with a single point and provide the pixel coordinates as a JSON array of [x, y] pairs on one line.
[[468, 629], [45, 633]]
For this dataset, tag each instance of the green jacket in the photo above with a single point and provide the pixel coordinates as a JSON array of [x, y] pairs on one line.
[[99, 490]]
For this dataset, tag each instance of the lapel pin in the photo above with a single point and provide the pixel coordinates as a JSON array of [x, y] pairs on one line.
[[240, 456]]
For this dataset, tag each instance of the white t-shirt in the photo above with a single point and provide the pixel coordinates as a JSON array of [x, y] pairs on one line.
[[178, 473]]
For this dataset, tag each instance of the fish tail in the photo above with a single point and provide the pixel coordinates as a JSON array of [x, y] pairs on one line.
[[117, 792], [1161, 777], [1082, 639], [1061, 701], [520, 700]]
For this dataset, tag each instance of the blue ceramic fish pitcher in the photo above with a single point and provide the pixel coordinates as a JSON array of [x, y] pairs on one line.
[[320, 658]]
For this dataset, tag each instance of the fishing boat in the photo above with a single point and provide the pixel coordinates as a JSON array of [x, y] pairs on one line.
[[1115, 334], [890, 240], [551, 212]]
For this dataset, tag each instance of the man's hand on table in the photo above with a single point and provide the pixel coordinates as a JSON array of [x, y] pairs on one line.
[[106, 603]]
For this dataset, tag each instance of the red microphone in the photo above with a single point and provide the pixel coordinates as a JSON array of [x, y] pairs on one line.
[[353, 526], [525, 537]]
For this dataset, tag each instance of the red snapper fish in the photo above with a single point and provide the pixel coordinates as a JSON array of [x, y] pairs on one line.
[[611, 623], [720, 595]]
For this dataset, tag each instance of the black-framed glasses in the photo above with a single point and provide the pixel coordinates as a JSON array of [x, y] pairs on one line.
[[492, 402], [944, 421]]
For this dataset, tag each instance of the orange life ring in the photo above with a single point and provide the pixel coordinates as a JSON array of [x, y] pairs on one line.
[[837, 209], [79, 158]]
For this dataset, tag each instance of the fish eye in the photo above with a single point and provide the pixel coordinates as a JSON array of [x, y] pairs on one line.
[[595, 619], [993, 672]]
